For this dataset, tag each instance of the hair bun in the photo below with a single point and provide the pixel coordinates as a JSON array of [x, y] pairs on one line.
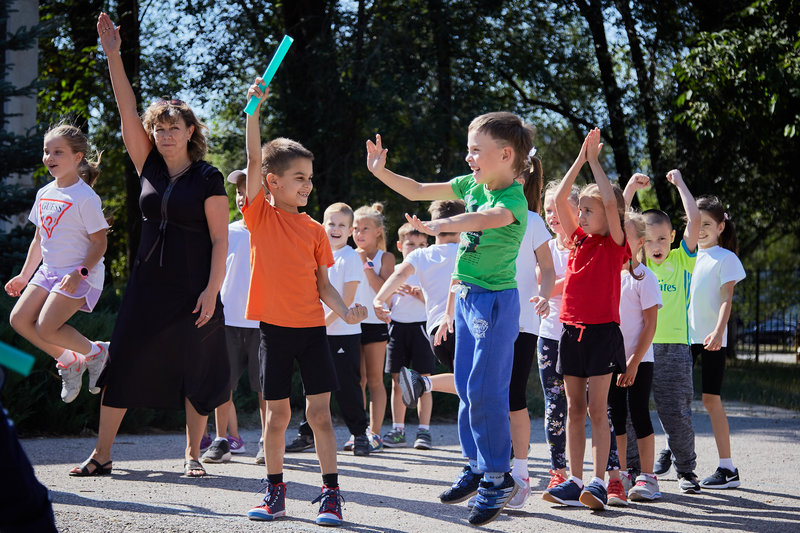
[[377, 206]]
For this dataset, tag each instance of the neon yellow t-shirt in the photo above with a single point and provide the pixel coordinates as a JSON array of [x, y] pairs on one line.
[[674, 278]]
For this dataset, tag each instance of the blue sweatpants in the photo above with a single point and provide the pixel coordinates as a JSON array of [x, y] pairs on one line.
[[487, 324]]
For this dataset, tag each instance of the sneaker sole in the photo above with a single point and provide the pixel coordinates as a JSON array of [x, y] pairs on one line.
[[692, 490], [239, 451], [518, 506], [498, 511], [728, 485], [298, 450], [589, 500], [328, 521], [459, 500], [546, 496], [421, 446], [617, 502], [93, 388], [405, 391], [395, 445], [263, 517], [213, 460], [361, 453], [638, 497]]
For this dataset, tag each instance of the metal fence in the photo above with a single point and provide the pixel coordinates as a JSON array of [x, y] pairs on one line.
[[765, 320]]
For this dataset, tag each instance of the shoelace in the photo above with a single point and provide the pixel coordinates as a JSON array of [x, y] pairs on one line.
[[271, 492], [331, 499]]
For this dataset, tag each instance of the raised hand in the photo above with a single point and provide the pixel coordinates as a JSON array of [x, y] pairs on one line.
[[109, 34], [674, 177], [639, 181], [255, 90], [593, 145], [376, 155], [428, 227]]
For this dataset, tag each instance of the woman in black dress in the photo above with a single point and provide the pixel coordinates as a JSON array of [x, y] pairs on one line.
[[168, 347]]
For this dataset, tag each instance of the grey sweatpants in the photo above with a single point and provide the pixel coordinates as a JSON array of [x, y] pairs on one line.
[[672, 393]]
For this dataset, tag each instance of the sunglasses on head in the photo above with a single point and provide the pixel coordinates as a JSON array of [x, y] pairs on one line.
[[164, 100]]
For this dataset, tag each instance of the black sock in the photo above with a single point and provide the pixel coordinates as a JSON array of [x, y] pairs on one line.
[[330, 480], [274, 479]]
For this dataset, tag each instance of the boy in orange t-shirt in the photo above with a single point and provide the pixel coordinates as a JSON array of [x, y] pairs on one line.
[[289, 259]]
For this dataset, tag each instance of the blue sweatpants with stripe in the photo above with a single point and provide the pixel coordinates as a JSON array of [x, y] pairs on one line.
[[486, 324]]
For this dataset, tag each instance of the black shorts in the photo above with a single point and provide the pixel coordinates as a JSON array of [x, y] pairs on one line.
[[280, 347], [374, 333], [712, 367], [408, 346], [587, 350], [243, 354], [524, 352], [446, 351]]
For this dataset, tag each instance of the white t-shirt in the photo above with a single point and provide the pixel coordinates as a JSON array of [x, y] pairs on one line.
[[635, 296], [536, 234], [65, 218], [551, 326], [346, 267], [434, 267], [236, 285], [365, 294], [715, 267], [407, 308]]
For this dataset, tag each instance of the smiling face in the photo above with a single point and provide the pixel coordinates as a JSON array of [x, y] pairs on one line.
[[411, 242], [365, 233], [592, 216], [59, 158], [710, 230], [657, 241], [338, 227], [551, 217], [172, 138], [292, 187], [490, 162]]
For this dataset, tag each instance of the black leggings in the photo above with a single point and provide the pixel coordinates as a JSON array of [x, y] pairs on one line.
[[637, 398], [524, 352]]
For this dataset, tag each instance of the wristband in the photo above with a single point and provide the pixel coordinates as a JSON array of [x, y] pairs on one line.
[[83, 271], [369, 264]]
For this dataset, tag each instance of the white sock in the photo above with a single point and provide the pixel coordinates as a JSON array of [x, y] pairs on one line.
[[69, 357], [93, 351], [473, 465], [495, 478], [577, 481], [520, 468], [426, 382], [401, 427], [425, 427], [727, 464], [598, 480]]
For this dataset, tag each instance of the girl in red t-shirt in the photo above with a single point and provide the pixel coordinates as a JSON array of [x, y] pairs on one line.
[[591, 346]]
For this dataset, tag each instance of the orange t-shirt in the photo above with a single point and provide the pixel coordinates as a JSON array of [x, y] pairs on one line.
[[285, 251]]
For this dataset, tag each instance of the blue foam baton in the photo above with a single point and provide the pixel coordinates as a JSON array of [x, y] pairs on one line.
[[15, 360], [270, 72]]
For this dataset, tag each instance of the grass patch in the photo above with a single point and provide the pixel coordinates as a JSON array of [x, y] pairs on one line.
[[772, 384]]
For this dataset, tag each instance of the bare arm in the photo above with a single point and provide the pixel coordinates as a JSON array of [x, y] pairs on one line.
[[637, 182], [216, 210], [606, 192], [16, 284], [133, 134], [253, 143], [401, 273], [446, 325], [713, 340], [496, 217], [348, 296], [565, 212], [547, 272], [332, 298], [411, 189], [650, 318], [692, 231]]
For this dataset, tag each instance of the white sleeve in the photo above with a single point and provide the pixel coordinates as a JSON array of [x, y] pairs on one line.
[[650, 294], [730, 269], [353, 269], [540, 233], [34, 214], [91, 210]]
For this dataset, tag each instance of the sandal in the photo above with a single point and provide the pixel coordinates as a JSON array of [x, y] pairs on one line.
[[83, 470], [193, 465]]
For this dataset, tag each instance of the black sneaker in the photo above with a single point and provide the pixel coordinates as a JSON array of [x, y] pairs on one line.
[[300, 443], [722, 479], [218, 452], [687, 481], [663, 462], [491, 500], [463, 488], [411, 386], [361, 445]]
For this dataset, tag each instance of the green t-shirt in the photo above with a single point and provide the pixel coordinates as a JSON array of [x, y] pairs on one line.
[[674, 277], [488, 258]]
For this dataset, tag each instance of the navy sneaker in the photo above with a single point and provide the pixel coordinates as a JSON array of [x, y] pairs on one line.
[[566, 493], [330, 508], [464, 487], [663, 462], [594, 496], [687, 482], [722, 479], [274, 504], [491, 499]]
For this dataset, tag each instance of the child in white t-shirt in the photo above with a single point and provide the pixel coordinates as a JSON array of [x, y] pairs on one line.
[[69, 242], [715, 274]]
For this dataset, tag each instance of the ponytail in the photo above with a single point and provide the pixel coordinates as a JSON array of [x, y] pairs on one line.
[[714, 208], [639, 229], [374, 212], [88, 169], [532, 186]]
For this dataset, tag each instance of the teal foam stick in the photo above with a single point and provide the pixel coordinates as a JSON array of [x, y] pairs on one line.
[[274, 63], [15, 359]]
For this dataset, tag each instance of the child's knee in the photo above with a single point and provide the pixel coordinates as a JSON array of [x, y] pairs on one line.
[[319, 417], [598, 414], [278, 419], [45, 329]]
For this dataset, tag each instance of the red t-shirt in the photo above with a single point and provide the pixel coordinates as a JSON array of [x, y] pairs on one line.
[[592, 280], [285, 251]]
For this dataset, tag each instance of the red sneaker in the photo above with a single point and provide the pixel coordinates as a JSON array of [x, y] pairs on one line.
[[556, 479], [616, 493]]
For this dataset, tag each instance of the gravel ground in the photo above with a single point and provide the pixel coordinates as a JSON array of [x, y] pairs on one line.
[[397, 490]]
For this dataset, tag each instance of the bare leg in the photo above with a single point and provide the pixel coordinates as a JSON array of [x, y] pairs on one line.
[[374, 358], [444, 383], [222, 416], [647, 453], [598, 416], [24, 316], [195, 426], [719, 423], [233, 421], [52, 327], [262, 409], [424, 405], [622, 452], [520, 432], [110, 419], [398, 407], [318, 413], [575, 389], [279, 413]]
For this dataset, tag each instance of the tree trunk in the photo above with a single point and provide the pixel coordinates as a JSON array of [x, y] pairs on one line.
[[443, 114]]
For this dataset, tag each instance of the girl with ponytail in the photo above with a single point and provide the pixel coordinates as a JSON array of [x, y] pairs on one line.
[[63, 272]]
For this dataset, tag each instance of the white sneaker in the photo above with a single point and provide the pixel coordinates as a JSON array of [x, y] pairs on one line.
[[96, 364], [71, 380], [522, 494], [645, 490], [627, 481]]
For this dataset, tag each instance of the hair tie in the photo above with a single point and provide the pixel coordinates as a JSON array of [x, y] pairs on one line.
[[727, 217], [532, 153]]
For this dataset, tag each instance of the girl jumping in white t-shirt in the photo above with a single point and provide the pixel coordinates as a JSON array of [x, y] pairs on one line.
[[69, 242]]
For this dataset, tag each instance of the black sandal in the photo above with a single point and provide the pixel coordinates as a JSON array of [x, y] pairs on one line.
[[191, 465], [99, 470]]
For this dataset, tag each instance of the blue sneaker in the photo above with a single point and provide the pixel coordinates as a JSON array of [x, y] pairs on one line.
[[375, 443], [330, 510], [274, 504], [594, 496], [464, 487], [491, 500], [566, 493]]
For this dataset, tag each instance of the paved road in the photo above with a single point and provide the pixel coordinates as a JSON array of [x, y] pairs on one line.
[[396, 491]]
